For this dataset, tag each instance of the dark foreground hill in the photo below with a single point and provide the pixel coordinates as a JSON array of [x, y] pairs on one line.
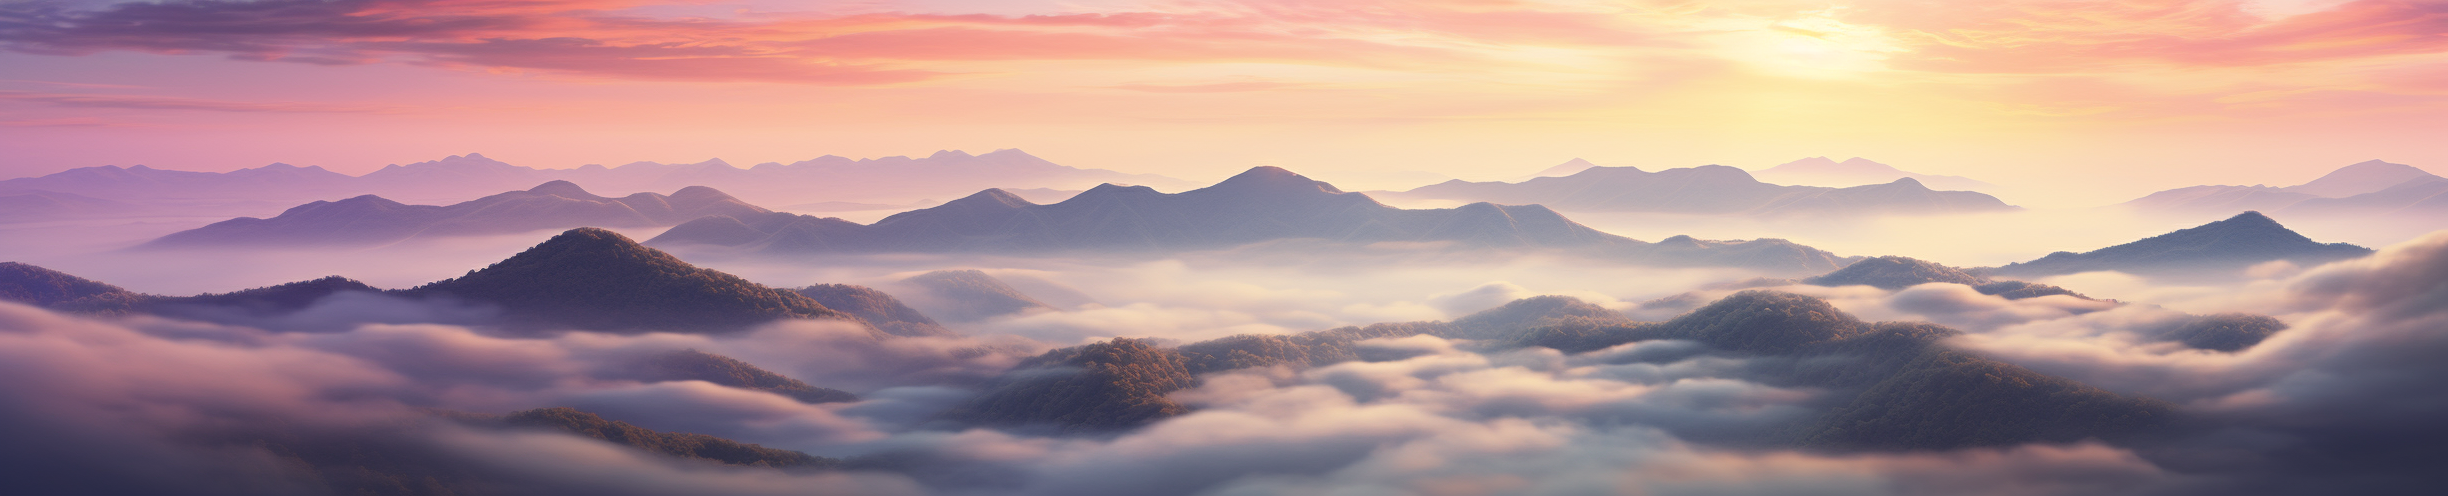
[[370, 219], [1260, 205], [1890, 385], [2228, 245]]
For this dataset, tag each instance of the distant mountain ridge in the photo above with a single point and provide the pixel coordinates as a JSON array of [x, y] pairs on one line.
[[2227, 245], [1707, 189], [458, 177], [372, 219], [2371, 187], [1821, 171], [1261, 204]]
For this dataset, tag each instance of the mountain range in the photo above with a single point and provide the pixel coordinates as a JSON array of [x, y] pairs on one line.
[[888, 180], [2226, 246], [584, 279], [1707, 189], [1822, 171], [369, 219], [2367, 188], [1261, 204]]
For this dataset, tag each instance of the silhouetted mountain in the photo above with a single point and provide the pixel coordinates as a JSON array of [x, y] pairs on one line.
[[673, 444], [1821, 171], [1569, 167], [877, 308], [2344, 189], [595, 279], [971, 295], [373, 220], [1507, 321], [62, 292], [2228, 332], [140, 183], [2233, 244], [891, 180], [2016, 290], [693, 365], [1297, 351], [583, 279], [1707, 189], [2364, 177], [1263, 204], [1894, 273], [1106, 386], [2422, 196], [37, 286]]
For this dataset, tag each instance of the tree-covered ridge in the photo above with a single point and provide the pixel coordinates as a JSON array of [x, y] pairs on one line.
[[32, 285], [878, 308], [1894, 385], [1512, 318], [1893, 273], [595, 279], [1298, 351], [2229, 332], [675, 444], [1106, 386], [973, 295], [693, 365]]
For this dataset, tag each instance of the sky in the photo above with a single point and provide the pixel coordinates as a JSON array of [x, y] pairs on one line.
[[2071, 102]]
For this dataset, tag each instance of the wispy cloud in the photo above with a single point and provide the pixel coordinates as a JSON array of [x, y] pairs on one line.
[[173, 103]]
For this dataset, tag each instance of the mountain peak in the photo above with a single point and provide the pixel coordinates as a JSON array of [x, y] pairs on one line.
[[2251, 218], [944, 154], [1569, 167], [561, 188], [1267, 178], [596, 279], [992, 197], [2362, 177]]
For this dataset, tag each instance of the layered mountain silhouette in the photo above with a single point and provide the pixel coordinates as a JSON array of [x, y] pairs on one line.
[[890, 180], [1821, 171], [594, 279], [583, 279], [1262, 204], [2224, 246], [1707, 189], [369, 219], [2367, 188], [881, 310]]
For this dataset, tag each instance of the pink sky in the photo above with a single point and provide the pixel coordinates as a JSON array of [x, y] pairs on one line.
[[2045, 95]]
